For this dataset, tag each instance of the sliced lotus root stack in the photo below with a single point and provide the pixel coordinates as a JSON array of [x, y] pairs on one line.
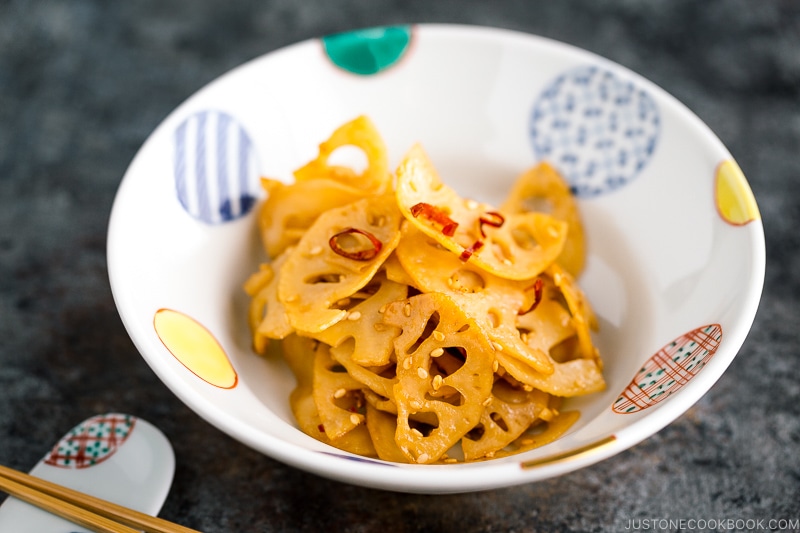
[[360, 133], [373, 339], [267, 315], [542, 189], [510, 412], [494, 302], [511, 245], [290, 209], [583, 317], [431, 324], [337, 257], [300, 354], [337, 395], [571, 378], [382, 427]]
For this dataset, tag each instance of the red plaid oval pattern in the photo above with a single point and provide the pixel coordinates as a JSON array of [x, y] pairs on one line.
[[92, 441], [672, 367]]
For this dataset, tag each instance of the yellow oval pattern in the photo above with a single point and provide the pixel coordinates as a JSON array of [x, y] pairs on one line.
[[195, 347], [735, 201]]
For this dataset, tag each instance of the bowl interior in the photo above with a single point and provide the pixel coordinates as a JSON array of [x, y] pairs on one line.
[[675, 242]]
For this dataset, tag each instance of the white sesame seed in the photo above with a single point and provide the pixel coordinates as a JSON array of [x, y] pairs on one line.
[[438, 335], [423, 458], [437, 382], [407, 310], [552, 231], [383, 308], [339, 393], [451, 460], [415, 404], [526, 442], [422, 373], [497, 346], [316, 250], [355, 315], [416, 432], [487, 401], [495, 365], [472, 204], [436, 352], [355, 419], [407, 363]]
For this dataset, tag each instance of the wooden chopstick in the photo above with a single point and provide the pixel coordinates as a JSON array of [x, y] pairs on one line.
[[88, 511]]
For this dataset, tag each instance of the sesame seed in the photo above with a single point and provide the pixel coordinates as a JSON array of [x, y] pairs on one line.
[[355, 315], [407, 363], [422, 373], [526, 442], [316, 250], [527, 388], [451, 460], [339, 393], [507, 261], [423, 458], [355, 419], [436, 352], [487, 401], [557, 278], [437, 382], [498, 347], [291, 298], [407, 310], [415, 404], [383, 308], [472, 204], [495, 365], [490, 455], [438, 335], [416, 432]]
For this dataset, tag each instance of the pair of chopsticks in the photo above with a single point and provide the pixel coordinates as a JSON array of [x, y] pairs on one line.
[[87, 511]]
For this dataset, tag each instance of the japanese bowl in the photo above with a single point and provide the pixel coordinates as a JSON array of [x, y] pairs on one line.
[[675, 243]]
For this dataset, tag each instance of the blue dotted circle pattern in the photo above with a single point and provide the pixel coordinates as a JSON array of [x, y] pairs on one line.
[[216, 168], [597, 128]]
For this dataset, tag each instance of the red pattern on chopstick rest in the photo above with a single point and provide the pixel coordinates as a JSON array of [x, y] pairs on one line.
[[92, 441]]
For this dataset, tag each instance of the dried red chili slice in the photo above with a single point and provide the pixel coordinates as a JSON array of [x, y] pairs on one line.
[[436, 214], [359, 255], [474, 247], [490, 218], [537, 287]]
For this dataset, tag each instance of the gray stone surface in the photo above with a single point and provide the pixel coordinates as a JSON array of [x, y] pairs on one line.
[[82, 84]]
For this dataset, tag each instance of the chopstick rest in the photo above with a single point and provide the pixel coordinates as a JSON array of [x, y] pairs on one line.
[[116, 457]]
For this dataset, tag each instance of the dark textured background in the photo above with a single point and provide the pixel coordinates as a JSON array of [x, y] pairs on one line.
[[83, 83]]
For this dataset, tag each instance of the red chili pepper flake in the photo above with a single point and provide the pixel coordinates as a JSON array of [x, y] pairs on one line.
[[321, 428], [437, 215], [359, 255], [474, 247], [537, 287], [490, 218]]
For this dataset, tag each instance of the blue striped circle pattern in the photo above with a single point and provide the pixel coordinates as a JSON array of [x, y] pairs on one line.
[[216, 168], [598, 129]]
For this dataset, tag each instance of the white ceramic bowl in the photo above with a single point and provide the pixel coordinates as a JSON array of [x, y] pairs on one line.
[[675, 241]]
